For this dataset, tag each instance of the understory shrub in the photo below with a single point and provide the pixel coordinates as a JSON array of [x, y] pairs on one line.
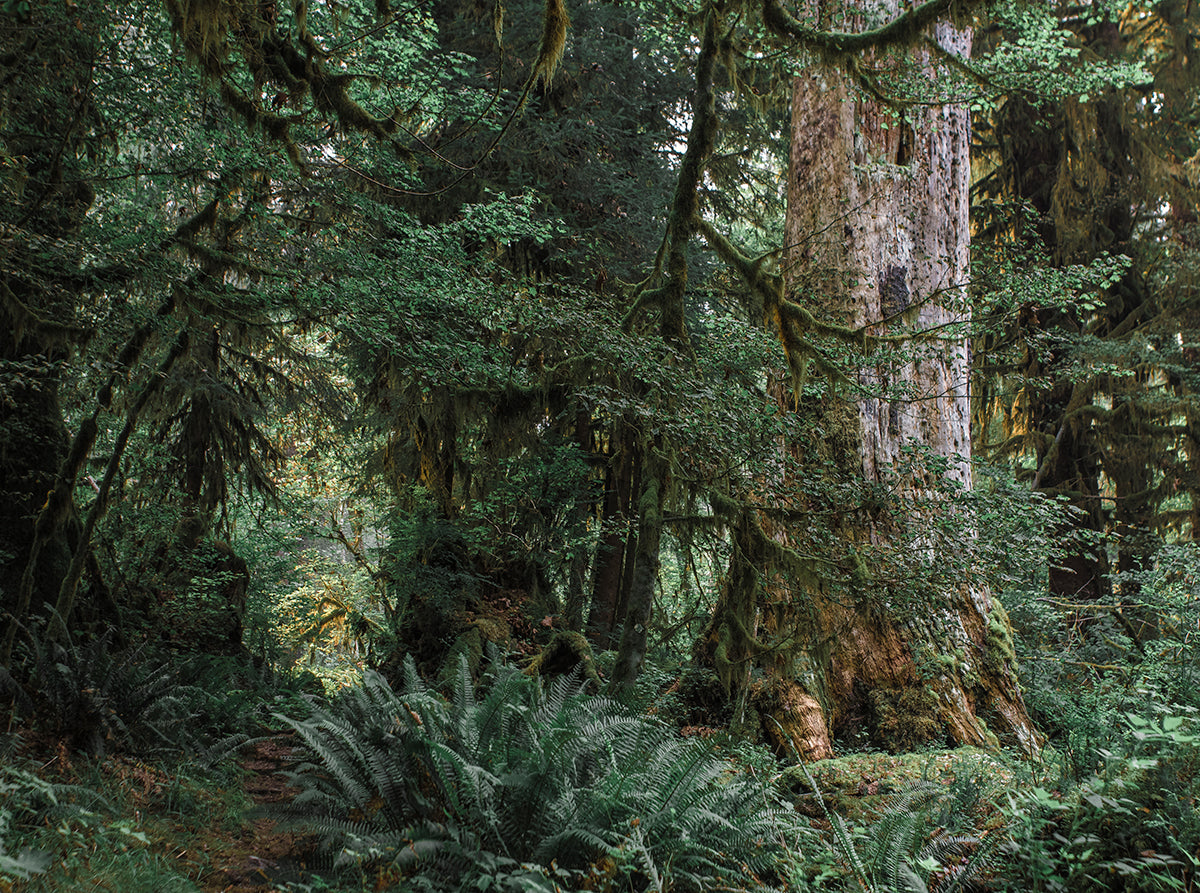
[[1133, 825], [100, 699]]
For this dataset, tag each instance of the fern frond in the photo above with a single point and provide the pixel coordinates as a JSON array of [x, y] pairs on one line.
[[413, 683], [973, 858], [514, 771]]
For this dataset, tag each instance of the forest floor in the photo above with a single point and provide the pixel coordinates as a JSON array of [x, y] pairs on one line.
[[218, 829], [260, 856], [194, 828]]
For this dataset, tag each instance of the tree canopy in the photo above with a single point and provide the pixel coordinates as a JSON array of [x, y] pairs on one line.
[[803, 353], [492, 244]]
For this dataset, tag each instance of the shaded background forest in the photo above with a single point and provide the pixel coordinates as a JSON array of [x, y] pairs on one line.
[[347, 337]]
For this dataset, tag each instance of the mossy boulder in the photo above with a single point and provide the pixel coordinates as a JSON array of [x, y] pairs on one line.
[[859, 786], [472, 642]]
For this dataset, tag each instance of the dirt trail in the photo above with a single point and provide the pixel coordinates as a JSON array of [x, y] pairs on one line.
[[261, 857]]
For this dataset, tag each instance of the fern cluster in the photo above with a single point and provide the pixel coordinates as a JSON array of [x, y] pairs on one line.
[[923, 840], [530, 776], [99, 699], [902, 855], [27, 803], [21, 794]]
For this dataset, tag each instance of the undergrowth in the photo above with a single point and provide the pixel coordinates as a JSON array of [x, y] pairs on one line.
[[113, 824], [519, 784], [524, 786], [99, 699]]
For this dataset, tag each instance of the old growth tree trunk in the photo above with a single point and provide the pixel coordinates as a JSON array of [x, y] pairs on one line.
[[45, 97], [877, 226]]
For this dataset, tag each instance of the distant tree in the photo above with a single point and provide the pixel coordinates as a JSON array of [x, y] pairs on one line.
[[134, 270], [1099, 397]]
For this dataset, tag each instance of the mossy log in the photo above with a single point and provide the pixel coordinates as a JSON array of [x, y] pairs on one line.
[[564, 653]]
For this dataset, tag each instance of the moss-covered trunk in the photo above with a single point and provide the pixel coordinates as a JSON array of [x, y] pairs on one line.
[[615, 541], [46, 121], [878, 228]]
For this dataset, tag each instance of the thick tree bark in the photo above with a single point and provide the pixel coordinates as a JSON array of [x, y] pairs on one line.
[[877, 229]]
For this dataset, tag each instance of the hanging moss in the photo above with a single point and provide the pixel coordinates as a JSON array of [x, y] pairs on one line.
[[203, 26], [555, 22], [745, 631], [722, 661]]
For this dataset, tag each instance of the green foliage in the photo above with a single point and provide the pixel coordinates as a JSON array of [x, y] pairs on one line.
[[1085, 666], [430, 581], [1091, 395], [71, 836], [234, 697], [519, 774], [1116, 812], [531, 513], [921, 839], [100, 700], [23, 796], [81, 840], [1042, 57], [1010, 276], [1111, 684], [333, 620], [1130, 826]]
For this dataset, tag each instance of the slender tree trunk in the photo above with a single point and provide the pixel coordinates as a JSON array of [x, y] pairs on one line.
[[613, 544], [877, 228], [630, 550], [66, 595], [1070, 465], [631, 653], [583, 510]]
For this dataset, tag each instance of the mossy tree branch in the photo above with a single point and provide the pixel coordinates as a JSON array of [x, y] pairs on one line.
[[685, 202], [903, 30], [793, 323]]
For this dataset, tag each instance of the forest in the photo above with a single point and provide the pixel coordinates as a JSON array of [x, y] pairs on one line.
[[599, 445]]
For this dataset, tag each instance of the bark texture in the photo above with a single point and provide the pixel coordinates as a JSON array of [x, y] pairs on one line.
[[46, 119], [878, 234]]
